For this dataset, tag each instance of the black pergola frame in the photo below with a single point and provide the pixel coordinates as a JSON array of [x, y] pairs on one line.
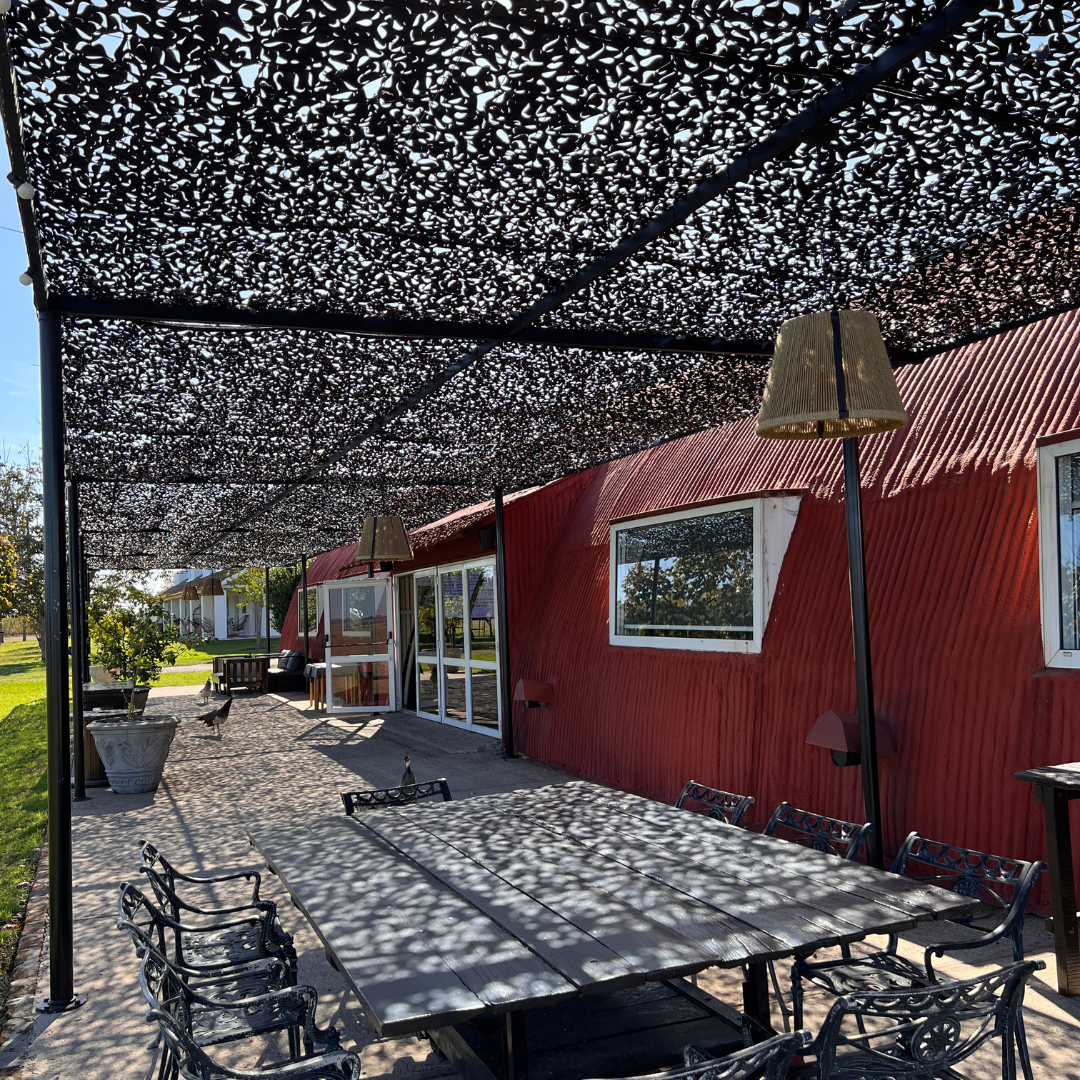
[[809, 126]]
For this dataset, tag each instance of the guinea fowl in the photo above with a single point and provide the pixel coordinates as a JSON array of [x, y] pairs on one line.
[[216, 717]]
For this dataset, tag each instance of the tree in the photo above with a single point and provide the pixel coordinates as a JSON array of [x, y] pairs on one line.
[[21, 521], [250, 585], [9, 566], [132, 637]]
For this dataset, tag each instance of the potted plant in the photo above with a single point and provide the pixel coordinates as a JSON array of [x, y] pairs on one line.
[[133, 641]]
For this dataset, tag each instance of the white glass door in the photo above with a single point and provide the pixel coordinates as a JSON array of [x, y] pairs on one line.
[[456, 653], [359, 646]]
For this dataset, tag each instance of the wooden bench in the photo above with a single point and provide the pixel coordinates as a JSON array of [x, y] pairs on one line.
[[250, 672]]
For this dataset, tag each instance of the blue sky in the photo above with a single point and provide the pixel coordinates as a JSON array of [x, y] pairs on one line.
[[20, 399]]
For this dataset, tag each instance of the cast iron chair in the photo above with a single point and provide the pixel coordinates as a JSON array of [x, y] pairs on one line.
[[999, 884], [408, 792], [827, 834], [208, 948], [163, 877], [193, 1063], [767, 1060], [227, 981], [924, 1032], [721, 805], [211, 1019], [395, 796], [831, 835]]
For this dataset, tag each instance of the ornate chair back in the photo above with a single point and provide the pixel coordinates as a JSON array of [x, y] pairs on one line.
[[721, 805], [395, 796], [140, 918], [927, 1031], [767, 1060], [1002, 886], [831, 835]]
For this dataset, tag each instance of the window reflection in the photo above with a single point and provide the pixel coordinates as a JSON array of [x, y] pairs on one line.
[[692, 578], [485, 697], [453, 687], [426, 640], [427, 690], [355, 685], [452, 622], [1068, 484], [358, 619], [481, 613]]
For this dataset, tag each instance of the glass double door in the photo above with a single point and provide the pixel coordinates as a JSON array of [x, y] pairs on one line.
[[457, 677], [359, 646]]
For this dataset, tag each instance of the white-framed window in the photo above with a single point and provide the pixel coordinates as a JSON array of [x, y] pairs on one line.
[[1059, 548], [313, 594], [699, 579]]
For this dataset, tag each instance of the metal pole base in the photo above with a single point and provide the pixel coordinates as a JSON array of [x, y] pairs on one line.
[[80, 798], [47, 1005]]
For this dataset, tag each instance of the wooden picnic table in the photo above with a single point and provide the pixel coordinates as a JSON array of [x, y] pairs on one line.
[[576, 905]]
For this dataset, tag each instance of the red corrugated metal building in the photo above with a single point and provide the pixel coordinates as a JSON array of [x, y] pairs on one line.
[[952, 552]]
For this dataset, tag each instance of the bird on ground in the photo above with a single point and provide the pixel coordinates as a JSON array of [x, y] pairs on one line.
[[206, 691], [216, 717]]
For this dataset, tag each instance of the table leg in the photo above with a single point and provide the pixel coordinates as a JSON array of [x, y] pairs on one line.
[[515, 1051], [1062, 888], [755, 992]]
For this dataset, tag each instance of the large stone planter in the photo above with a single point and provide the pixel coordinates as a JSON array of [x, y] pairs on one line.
[[134, 751]]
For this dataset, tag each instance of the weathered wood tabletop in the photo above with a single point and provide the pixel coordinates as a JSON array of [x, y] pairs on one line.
[[440, 912]]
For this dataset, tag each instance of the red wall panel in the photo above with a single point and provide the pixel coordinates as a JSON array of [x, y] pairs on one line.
[[952, 564]]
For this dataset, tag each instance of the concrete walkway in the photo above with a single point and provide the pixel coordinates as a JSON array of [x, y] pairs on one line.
[[276, 759]]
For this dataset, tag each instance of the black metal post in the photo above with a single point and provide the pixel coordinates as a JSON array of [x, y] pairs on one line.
[[61, 930], [504, 625], [75, 588], [266, 612], [85, 572], [860, 629], [303, 583]]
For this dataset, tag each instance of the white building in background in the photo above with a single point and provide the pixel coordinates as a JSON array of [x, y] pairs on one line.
[[220, 616]]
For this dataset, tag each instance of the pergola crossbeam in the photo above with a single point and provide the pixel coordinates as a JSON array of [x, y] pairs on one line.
[[219, 318]]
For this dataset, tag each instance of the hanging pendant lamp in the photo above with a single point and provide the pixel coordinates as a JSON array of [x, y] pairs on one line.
[[213, 588], [830, 379], [191, 592], [383, 539]]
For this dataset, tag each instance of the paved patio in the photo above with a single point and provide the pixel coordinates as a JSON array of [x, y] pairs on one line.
[[277, 758]]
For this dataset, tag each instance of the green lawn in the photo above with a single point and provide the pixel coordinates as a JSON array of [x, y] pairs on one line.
[[20, 660], [202, 652], [23, 803], [181, 678]]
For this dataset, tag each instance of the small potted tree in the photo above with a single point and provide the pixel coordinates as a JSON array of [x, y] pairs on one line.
[[133, 641]]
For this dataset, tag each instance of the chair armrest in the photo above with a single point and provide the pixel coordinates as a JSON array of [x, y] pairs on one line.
[[343, 1064], [270, 967], [1011, 925], [304, 998], [185, 928], [247, 875], [261, 907]]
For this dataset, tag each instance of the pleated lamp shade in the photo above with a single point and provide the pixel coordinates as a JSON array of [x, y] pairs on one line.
[[191, 592], [830, 379], [383, 539]]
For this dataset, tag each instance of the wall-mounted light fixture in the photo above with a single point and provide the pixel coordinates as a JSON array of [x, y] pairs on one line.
[[536, 695], [839, 733]]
